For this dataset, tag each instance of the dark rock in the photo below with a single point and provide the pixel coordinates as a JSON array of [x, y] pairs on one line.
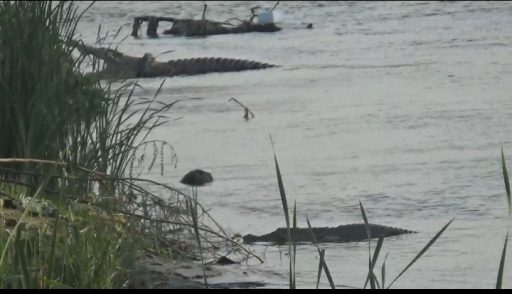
[[8, 203], [10, 222], [197, 178], [309, 26], [224, 261]]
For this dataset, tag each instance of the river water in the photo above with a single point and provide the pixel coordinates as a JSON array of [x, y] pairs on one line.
[[403, 106]]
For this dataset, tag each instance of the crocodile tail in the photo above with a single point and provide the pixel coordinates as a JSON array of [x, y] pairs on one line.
[[194, 66], [386, 231]]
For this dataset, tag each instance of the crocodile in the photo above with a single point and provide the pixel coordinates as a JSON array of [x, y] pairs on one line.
[[121, 66], [340, 234]]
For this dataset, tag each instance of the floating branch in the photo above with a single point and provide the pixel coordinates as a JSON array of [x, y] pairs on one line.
[[247, 111], [201, 27]]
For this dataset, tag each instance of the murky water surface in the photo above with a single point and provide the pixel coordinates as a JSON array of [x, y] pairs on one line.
[[400, 105]]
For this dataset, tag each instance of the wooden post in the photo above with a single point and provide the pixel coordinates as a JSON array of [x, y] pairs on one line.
[[204, 11], [136, 25], [152, 26]]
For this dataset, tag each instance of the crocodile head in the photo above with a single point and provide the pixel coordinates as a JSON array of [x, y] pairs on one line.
[[143, 66], [148, 58], [249, 238]]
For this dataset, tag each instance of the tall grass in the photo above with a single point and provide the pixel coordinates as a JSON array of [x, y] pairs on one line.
[[86, 139], [499, 280], [291, 242], [501, 269], [78, 248], [74, 250], [43, 98], [49, 110], [506, 180], [322, 263], [372, 260], [417, 257]]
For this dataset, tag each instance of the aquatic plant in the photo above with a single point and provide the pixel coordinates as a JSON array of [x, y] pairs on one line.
[[501, 269], [284, 202], [371, 277]]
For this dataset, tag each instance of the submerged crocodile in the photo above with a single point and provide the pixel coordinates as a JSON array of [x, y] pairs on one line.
[[121, 66], [340, 234]]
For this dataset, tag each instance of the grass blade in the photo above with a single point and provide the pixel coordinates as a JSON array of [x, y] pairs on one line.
[[53, 246], [326, 269], [369, 235], [375, 280], [502, 265], [22, 217], [283, 195], [195, 222], [430, 243], [371, 274], [322, 264], [22, 249], [312, 233], [319, 275], [294, 241], [286, 214], [506, 179], [383, 272]]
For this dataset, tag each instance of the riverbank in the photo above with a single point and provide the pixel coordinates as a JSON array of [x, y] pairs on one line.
[[74, 213]]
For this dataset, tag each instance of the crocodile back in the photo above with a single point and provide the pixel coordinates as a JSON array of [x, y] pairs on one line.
[[194, 66], [340, 234]]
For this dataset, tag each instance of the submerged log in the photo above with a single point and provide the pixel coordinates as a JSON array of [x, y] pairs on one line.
[[201, 27], [121, 66], [152, 24], [190, 27], [340, 234]]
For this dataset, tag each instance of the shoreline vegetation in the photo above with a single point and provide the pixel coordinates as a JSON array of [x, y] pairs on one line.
[[74, 212]]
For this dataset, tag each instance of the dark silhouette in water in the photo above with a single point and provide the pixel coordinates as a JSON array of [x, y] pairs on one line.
[[340, 234], [121, 66], [197, 178], [203, 26], [199, 27], [247, 111]]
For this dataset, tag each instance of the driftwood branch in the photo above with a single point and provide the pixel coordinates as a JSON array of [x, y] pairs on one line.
[[247, 111], [152, 24], [277, 3], [204, 11], [201, 27]]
